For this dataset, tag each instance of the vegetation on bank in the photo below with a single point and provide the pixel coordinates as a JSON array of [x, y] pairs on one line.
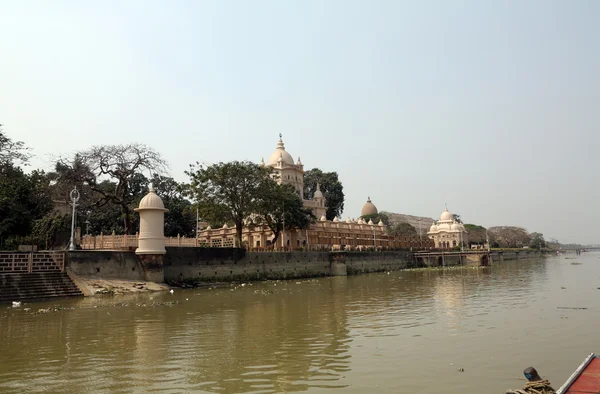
[[112, 179]]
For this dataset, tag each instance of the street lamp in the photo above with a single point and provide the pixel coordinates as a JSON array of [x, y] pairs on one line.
[[74, 197]]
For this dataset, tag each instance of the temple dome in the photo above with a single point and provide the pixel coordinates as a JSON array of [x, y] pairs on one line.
[[280, 152], [433, 228], [455, 227], [369, 208], [446, 216]]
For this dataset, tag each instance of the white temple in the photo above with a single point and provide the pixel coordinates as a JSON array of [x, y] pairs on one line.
[[447, 232]]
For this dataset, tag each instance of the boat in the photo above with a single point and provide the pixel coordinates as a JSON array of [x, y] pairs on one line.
[[585, 379]]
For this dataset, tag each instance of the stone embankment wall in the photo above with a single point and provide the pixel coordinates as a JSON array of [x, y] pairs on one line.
[[224, 264], [181, 265], [499, 256], [105, 264]]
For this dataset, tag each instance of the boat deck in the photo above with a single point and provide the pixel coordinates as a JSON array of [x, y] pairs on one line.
[[586, 380]]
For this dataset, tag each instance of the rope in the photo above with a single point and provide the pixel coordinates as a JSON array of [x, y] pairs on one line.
[[539, 387]]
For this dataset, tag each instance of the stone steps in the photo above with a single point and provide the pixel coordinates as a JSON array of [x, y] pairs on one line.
[[36, 285]]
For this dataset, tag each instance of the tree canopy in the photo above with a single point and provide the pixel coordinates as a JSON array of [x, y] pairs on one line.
[[228, 192], [123, 165], [332, 189], [403, 228], [181, 218], [477, 233], [280, 207], [23, 199], [509, 236], [537, 241]]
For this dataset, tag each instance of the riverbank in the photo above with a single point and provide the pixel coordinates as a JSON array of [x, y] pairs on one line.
[[97, 286]]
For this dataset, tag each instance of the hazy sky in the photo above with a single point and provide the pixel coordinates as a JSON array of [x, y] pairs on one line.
[[490, 106]]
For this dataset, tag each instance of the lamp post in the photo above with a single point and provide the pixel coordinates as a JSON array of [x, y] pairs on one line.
[[74, 197]]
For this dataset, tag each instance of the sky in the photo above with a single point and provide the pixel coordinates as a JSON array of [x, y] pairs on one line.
[[490, 107]]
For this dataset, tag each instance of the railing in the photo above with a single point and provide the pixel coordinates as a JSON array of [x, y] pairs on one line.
[[124, 242], [15, 262], [317, 241]]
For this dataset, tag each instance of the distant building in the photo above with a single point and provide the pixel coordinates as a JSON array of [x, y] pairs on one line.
[[447, 233]]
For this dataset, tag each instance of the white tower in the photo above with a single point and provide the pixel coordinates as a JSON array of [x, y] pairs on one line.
[[152, 225]]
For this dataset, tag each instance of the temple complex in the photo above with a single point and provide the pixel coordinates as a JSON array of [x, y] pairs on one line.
[[353, 233], [447, 232]]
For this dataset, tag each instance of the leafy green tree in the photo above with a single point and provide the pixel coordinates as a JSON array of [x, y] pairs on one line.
[[279, 207], [23, 199], [537, 241], [332, 189], [52, 231], [403, 228], [181, 218], [477, 233], [456, 218], [228, 192]]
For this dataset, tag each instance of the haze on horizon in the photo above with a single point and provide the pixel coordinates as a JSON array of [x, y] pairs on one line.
[[491, 107]]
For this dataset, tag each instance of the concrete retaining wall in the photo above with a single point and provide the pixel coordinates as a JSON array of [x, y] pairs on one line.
[[499, 256], [105, 264], [221, 264]]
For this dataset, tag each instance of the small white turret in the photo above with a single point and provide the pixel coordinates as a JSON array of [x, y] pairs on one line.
[[152, 224]]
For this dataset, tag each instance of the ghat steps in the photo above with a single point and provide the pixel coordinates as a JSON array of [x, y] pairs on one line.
[[36, 285]]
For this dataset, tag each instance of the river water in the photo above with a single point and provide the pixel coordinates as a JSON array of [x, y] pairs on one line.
[[406, 331]]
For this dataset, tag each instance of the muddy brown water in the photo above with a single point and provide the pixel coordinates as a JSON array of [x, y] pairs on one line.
[[407, 331]]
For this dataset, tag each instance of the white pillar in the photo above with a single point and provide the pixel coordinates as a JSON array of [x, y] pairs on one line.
[[152, 225]]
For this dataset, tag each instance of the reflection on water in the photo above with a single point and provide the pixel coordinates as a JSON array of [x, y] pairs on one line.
[[404, 331]]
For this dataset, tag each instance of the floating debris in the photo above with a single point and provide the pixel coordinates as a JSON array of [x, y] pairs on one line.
[[568, 307]]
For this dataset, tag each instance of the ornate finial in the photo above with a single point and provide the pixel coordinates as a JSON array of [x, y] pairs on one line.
[[280, 136], [446, 205], [151, 188], [369, 199]]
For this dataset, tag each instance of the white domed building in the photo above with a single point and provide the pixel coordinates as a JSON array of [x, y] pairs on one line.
[[288, 172], [447, 233]]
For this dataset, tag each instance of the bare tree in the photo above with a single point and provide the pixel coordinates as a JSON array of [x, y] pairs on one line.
[[123, 165], [11, 151], [510, 236]]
